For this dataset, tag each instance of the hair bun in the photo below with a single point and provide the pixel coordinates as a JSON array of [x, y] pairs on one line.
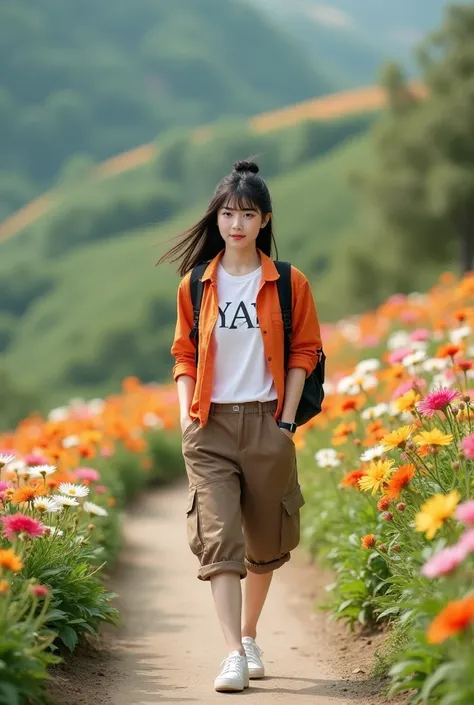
[[246, 166]]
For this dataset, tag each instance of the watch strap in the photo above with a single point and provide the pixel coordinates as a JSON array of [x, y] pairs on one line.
[[291, 427]]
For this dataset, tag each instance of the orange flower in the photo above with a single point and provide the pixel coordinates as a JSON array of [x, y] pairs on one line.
[[399, 480], [350, 405], [352, 479], [454, 618], [342, 432], [25, 494], [4, 585], [367, 541], [448, 350], [10, 561]]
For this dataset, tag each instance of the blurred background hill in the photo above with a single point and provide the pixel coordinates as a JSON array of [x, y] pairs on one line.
[[368, 200]]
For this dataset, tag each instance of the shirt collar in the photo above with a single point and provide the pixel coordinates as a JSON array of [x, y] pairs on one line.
[[269, 271]]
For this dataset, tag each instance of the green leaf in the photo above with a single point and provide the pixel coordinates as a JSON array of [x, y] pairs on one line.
[[444, 672], [69, 637], [11, 693]]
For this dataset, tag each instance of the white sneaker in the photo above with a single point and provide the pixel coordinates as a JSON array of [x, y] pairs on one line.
[[234, 674], [253, 653]]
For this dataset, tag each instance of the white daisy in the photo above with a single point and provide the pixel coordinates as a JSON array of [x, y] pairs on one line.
[[6, 458], [95, 406], [459, 334], [415, 358], [70, 441], [71, 490], [92, 508], [350, 331], [345, 384], [61, 413], [65, 501], [52, 531], [435, 364], [369, 365], [374, 412], [398, 339], [20, 467], [373, 453], [440, 380], [42, 470], [46, 504], [327, 458]]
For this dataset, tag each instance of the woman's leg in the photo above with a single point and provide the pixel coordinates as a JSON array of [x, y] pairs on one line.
[[255, 593], [227, 595]]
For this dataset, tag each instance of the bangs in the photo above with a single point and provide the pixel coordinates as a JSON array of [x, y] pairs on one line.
[[240, 199]]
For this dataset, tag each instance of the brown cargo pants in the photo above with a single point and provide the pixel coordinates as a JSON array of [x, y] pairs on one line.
[[243, 509]]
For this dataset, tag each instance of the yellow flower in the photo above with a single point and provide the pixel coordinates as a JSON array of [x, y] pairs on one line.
[[407, 401], [377, 473], [433, 438], [397, 438], [433, 512]]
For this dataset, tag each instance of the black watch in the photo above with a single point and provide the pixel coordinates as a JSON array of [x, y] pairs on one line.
[[291, 427]]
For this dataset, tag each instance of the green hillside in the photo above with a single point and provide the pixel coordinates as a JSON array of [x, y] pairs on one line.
[[97, 78], [110, 312]]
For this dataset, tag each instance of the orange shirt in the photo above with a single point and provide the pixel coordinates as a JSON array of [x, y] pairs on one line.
[[306, 337]]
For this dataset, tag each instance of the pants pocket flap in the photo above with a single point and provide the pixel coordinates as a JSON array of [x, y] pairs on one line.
[[293, 501], [191, 500]]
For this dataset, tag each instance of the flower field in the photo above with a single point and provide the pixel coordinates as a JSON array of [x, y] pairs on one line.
[[390, 503], [64, 481], [387, 472]]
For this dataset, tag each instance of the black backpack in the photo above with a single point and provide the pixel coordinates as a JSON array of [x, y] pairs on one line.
[[313, 391]]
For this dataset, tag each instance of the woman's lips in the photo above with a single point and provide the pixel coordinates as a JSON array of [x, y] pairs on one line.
[[238, 237]]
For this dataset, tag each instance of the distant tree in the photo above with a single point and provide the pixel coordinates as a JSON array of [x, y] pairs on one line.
[[422, 189]]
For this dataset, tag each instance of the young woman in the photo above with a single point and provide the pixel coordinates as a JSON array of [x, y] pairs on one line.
[[244, 497]]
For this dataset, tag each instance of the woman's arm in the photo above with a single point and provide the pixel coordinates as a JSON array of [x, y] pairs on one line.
[[184, 352], [186, 387]]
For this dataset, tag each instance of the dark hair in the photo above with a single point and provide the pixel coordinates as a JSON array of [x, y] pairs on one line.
[[203, 241]]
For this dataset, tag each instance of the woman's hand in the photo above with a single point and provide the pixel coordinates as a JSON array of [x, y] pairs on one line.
[[287, 433], [185, 422]]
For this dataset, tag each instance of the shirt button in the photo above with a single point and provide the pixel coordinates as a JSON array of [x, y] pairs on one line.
[[264, 332], [235, 408], [269, 359]]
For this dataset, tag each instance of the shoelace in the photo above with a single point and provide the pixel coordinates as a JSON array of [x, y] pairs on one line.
[[232, 663], [254, 648]]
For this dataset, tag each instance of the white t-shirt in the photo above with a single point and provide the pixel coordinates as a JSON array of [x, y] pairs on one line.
[[241, 371]]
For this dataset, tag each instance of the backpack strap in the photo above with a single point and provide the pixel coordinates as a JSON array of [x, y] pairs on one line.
[[197, 290], [286, 306]]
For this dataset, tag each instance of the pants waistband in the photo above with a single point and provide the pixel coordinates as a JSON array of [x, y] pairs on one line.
[[248, 407]]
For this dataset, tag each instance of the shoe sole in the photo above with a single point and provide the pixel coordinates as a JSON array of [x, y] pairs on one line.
[[257, 673], [229, 687]]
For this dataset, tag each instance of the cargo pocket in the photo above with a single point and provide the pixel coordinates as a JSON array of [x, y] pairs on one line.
[[193, 524], [290, 520]]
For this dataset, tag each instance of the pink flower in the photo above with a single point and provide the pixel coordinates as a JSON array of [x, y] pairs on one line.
[[39, 590], [466, 541], [15, 524], [468, 446], [444, 562], [399, 355], [89, 474], [100, 489], [397, 299], [465, 512], [35, 459], [405, 387], [106, 452], [419, 334], [407, 316], [437, 400]]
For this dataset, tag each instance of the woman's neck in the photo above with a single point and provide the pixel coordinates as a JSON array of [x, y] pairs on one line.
[[239, 262]]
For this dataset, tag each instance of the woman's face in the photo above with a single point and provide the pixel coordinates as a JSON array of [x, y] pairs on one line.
[[239, 228]]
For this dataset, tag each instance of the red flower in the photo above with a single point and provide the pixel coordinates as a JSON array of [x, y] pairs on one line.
[[15, 524]]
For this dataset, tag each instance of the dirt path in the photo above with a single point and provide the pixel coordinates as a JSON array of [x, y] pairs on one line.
[[169, 647]]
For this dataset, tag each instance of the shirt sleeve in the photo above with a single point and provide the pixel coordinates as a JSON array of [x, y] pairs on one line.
[[183, 348], [306, 335]]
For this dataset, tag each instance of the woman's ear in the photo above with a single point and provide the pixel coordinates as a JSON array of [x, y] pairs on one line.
[[265, 220]]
